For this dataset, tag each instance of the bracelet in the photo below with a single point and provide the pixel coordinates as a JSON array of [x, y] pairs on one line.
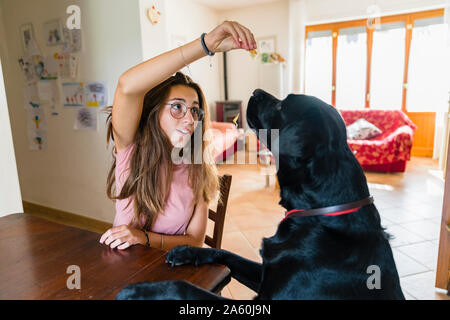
[[184, 61], [202, 38], [146, 236], [182, 55], [162, 241]]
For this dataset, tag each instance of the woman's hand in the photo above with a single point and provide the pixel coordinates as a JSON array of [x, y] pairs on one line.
[[123, 237], [228, 36]]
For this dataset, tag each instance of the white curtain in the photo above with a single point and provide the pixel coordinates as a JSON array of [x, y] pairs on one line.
[[351, 68], [388, 58], [318, 65]]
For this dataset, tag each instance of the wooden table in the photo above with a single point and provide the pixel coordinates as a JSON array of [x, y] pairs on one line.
[[35, 254]]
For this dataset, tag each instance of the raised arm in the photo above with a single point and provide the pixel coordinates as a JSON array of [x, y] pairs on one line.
[[138, 80]]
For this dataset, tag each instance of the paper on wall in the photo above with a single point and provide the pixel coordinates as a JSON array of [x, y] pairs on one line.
[[37, 139], [79, 94], [49, 94], [86, 119], [96, 94], [27, 66], [45, 91], [73, 65], [38, 64], [32, 49], [45, 68], [37, 129], [67, 65], [72, 40], [36, 119], [50, 68], [31, 97], [63, 65], [73, 94]]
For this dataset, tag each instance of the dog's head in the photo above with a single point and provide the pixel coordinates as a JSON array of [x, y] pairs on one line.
[[310, 143]]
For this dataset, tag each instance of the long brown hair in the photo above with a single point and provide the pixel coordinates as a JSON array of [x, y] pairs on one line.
[[151, 161]]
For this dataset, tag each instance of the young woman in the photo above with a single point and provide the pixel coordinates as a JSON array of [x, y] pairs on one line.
[[160, 203]]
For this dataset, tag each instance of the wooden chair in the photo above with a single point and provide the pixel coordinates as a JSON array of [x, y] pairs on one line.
[[218, 216]]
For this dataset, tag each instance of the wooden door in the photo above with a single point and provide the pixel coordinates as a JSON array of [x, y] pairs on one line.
[[442, 272], [423, 141]]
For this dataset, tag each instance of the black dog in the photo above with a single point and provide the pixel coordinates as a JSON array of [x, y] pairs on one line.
[[310, 256]]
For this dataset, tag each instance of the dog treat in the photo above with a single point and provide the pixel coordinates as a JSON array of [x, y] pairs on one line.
[[253, 53], [236, 119]]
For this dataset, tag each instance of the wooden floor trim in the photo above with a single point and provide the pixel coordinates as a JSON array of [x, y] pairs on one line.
[[66, 218]]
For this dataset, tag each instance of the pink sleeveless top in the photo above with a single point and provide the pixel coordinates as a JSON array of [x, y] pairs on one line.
[[178, 208]]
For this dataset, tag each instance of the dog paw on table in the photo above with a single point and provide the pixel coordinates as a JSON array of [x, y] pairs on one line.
[[163, 290], [190, 255]]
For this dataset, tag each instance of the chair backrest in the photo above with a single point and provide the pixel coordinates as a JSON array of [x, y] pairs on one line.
[[218, 216]]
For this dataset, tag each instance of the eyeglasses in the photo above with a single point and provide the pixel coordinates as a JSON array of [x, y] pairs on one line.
[[179, 109]]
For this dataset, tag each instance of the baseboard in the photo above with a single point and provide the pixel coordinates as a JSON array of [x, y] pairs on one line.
[[65, 217]]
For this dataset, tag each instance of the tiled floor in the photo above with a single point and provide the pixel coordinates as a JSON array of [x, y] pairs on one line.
[[410, 206]]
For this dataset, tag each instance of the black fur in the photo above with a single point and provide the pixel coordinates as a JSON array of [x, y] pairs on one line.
[[319, 257]]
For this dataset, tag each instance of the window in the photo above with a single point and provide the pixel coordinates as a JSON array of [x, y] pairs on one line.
[[402, 65], [319, 61], [428, 75], [388, 58], [351, 68]]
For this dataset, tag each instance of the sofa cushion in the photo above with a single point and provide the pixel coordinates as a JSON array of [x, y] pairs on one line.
[[362, 129]]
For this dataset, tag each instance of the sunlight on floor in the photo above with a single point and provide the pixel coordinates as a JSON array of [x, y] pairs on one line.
[[380, 186]]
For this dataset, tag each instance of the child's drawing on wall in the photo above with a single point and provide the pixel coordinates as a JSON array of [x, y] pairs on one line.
[[53, 33]]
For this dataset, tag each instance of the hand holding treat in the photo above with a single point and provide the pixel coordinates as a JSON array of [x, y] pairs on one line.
[[228, 36]]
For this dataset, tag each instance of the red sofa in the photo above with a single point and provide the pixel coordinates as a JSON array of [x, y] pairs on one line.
[[389, 151]]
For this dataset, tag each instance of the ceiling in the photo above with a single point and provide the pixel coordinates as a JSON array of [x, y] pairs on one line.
[[231, 4]]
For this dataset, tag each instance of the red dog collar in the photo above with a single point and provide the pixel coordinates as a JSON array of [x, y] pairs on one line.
[[330, 211]]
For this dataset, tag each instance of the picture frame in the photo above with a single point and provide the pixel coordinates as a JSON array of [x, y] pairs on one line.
[[53, 33], [267, 44], [27, 34]]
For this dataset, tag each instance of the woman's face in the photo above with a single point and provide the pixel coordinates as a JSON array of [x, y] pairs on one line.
[[180, 130]]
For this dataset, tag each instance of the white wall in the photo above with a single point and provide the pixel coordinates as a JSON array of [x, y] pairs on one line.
[[158, 38], [297, 23], [190, 26], [10, 197], [71, 174], [264, 20], [153, 37]]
